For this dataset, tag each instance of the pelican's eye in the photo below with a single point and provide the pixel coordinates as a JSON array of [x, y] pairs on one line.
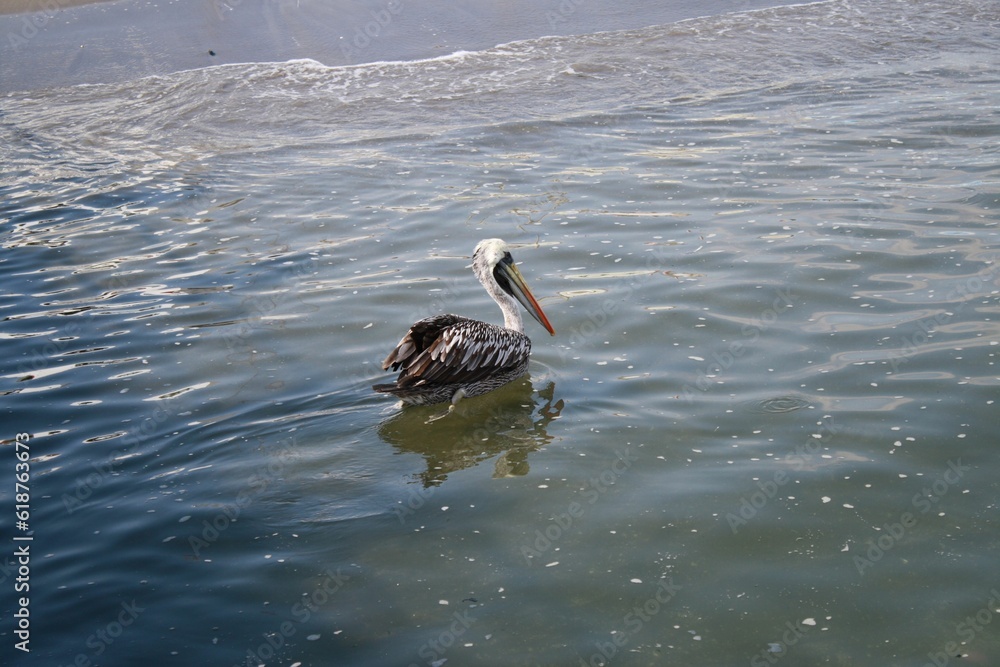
[[500, 275]]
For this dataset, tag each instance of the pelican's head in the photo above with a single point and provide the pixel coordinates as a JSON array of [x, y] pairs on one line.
[[495, 268]]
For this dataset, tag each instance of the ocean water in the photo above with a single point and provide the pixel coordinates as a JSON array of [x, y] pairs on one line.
[[765, 432]]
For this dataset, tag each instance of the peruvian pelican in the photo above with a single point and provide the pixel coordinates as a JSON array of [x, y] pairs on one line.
[[448, 357]]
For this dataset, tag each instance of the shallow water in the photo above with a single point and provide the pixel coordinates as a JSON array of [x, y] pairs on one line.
[[765, 430]]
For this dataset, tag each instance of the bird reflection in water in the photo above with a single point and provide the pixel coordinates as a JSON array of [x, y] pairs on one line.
[[510, 422]]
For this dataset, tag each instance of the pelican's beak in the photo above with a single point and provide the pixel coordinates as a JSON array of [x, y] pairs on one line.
[[519, 290]]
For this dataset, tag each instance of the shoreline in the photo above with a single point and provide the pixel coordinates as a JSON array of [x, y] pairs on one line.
[[58, 43], [13, 7]]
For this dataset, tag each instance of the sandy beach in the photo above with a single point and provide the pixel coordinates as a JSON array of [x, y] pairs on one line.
[[49, 6], [51, 43]]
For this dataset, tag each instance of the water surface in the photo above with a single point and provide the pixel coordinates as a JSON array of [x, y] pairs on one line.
[[765, 431]]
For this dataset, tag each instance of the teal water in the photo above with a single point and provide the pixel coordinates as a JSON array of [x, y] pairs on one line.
[[764, 433]]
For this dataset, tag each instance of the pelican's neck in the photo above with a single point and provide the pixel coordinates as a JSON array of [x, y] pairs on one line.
[[511, 315]]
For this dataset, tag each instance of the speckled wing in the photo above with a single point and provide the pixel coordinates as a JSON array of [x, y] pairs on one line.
[[449, 349], [420, 337]]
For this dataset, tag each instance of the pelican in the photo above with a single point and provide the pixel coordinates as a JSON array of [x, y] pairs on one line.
[[449, 357]]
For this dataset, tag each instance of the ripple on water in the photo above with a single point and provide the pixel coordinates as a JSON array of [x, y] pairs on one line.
[[778, 404]]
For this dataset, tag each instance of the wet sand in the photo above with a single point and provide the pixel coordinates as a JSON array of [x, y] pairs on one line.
[[29, 6], [64, 42]]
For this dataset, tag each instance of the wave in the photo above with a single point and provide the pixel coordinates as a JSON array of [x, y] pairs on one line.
[[198, 114]]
